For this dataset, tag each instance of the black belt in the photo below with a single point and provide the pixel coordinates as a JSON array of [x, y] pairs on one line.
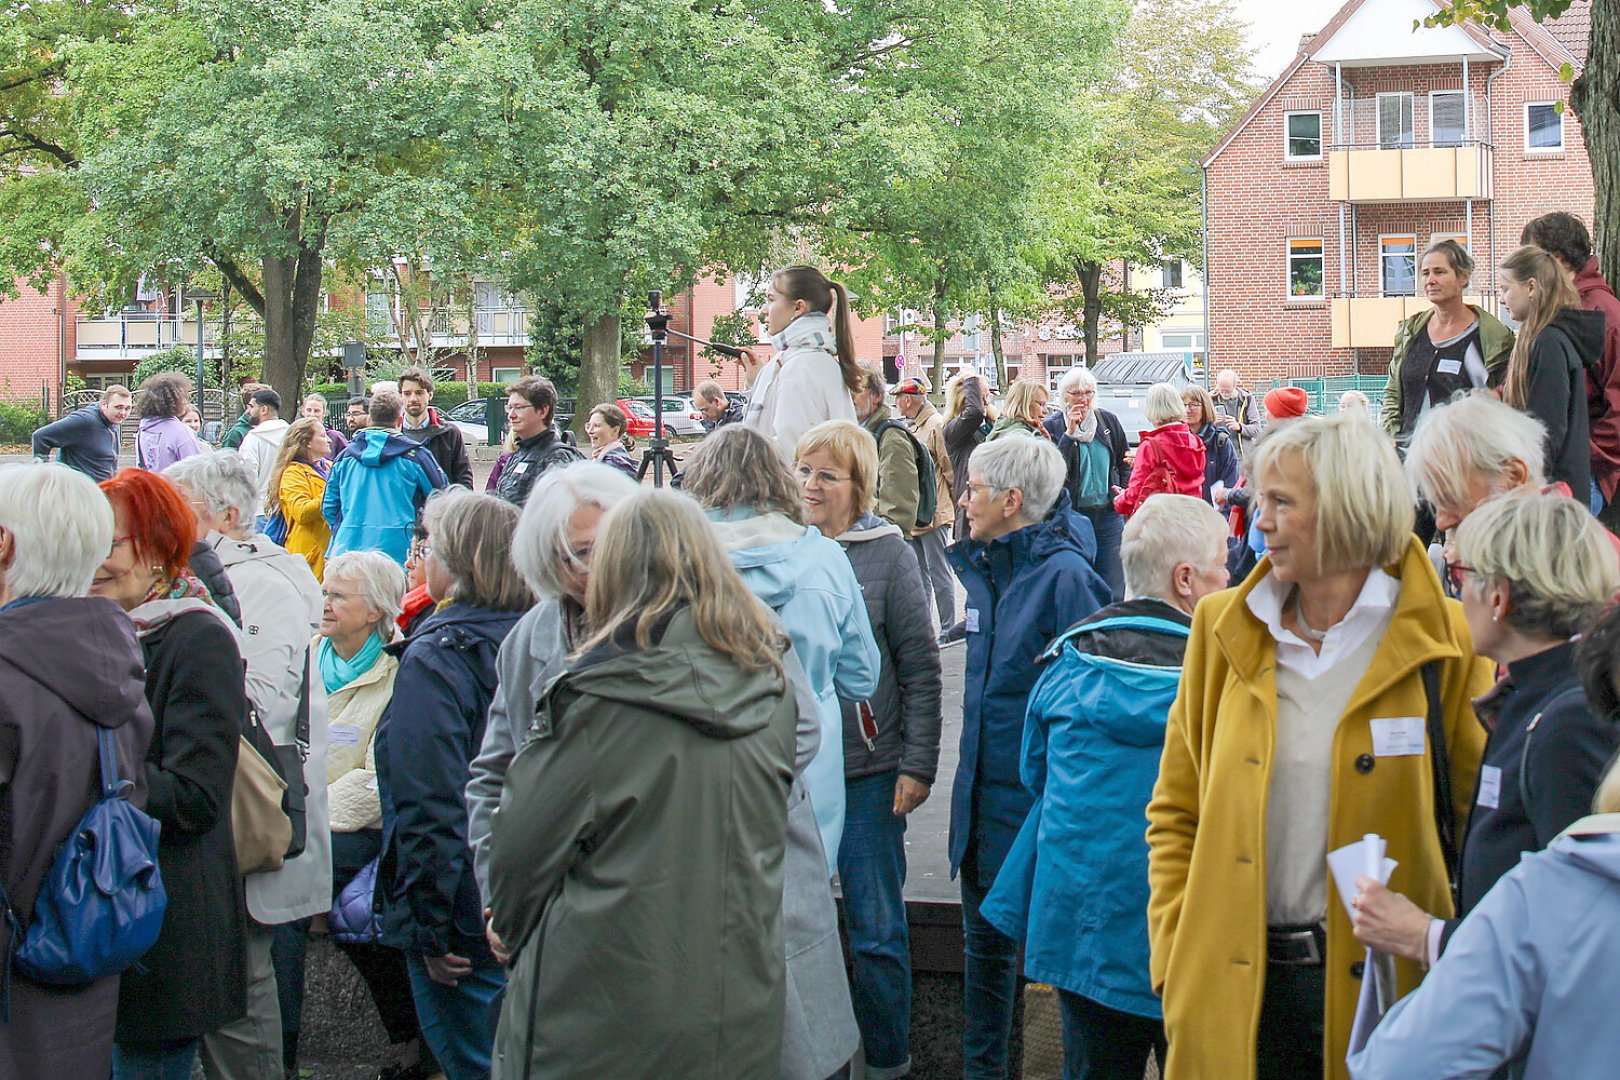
[[1296, 946]]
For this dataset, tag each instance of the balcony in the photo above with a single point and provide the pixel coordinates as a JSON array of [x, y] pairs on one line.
[[1369, 322], [1410, 174], [453, 328], [134, 336]]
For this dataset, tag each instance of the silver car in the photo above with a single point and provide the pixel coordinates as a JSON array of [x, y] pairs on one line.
[[680, 415]]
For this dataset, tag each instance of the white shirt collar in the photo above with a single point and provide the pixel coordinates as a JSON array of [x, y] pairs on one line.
[[1369, 615]]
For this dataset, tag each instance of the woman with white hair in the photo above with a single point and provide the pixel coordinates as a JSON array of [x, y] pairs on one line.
[[281, 609], [71, 678], [1170, 458], [1471, 449], [1328, 697], [1093, 735], [1093, 444], [1027, 565], [1537, 570]]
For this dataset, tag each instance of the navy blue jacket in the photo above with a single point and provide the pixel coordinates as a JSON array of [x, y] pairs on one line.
[[1112, 433], [1220, 458], [425, 743], [85, 440], [1023, 589]]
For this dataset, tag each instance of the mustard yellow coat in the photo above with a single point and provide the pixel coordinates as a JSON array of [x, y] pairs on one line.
[[302, 489], [1207, 819]]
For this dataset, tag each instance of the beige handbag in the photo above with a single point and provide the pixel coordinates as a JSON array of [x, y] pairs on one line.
[[260, 826]]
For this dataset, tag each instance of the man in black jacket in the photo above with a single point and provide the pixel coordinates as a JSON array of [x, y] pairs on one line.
[[531, 405], [87, 438], [422, 424]]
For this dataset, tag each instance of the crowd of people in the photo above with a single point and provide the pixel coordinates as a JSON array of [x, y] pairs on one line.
[[569, 767]]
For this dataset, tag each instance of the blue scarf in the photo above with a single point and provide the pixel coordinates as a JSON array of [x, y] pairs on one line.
[[337, 672], [26, 601]]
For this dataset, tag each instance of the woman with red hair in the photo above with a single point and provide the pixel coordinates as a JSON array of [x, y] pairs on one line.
[[194, 979]]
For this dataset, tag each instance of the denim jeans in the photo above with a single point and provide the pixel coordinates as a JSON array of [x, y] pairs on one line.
[[938, 580], [872, 875], [989, 986], [1109, 527], [1100, 1043], [458, 1022], [1596, 502], [168, 1061]]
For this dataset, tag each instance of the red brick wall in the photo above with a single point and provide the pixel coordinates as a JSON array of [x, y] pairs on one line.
[[29, 343], [1257, 201]]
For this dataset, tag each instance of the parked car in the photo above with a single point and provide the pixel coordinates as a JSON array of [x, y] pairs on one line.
[[638, 418], [680, 415], [1123, 379]]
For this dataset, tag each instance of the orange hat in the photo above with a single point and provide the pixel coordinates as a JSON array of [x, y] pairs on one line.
[[1287, 401]]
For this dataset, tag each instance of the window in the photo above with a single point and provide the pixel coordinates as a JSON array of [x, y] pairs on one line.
[[1305, 268], [1397, 265], [1460, 237], [1543, 127], [1172, 273], [505, 374], [1183, 341], [1446, 121], [1303, 141], [1395, 121], [488, 296]]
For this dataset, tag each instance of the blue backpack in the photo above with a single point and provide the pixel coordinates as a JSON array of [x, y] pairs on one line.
[[101, 905]]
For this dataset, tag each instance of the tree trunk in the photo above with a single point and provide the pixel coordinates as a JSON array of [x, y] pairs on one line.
[[598, 367], [227, 307], [941, 318], [292, 297], [995, 340], [1090, 275], [1595, 97]]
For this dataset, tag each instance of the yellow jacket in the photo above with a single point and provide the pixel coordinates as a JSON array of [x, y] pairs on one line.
[[1207, 819], [302, 489]]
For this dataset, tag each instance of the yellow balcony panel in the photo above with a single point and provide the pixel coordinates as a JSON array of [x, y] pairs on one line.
[[100, 333], [1375, 175], [1415, 175], [1369, 322]]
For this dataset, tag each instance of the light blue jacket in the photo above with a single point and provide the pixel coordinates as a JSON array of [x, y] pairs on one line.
[[1529, 980], [375, 489], [806, 578]]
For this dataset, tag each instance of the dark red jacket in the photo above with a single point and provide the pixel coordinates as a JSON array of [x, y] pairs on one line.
[[1170, 460], [1603, 393]]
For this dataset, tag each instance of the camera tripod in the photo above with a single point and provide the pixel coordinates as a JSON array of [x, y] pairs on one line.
[[658, 454]]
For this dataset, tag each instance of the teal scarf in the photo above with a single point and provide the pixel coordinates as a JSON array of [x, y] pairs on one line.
[[337, 672]]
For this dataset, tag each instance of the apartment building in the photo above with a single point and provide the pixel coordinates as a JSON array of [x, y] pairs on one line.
[[1377, 140]]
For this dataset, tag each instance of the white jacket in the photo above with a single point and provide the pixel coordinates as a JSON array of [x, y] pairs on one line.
[[281, 609], [261, 445], [802, 386], [351, 762]]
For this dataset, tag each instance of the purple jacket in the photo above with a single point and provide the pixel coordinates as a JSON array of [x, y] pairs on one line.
[[163, 440]]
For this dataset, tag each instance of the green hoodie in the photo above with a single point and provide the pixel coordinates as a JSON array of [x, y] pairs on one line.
[[1495, 341], [636, 868]]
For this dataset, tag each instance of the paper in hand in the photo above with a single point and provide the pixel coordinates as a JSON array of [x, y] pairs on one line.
[[1364, 858]]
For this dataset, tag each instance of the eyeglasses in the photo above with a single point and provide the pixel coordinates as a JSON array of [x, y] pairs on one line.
[[987, 487], [822, 477], [1079, 395], [336, 597], [1454, 575], [510, 408]]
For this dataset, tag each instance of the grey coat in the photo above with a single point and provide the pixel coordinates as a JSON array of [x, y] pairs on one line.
[[905, 708], [819, 1031]]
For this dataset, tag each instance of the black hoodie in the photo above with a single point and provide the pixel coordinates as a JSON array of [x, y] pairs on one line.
[[1560, 357]]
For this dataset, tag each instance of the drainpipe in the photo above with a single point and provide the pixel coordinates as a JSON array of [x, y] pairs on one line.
[[61, 339], [1209, 346], [1490, 213], [1338, 139]]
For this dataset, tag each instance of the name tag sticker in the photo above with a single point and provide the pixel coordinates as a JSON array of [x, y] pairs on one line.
[[1398, 736], [1448, 367], [972, 620], [343, 735], [520, 468], [1490, 786]]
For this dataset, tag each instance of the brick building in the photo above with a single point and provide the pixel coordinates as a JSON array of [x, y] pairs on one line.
[[1374, 142]]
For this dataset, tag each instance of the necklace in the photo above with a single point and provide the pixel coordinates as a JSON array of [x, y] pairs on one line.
[[1305, 628]]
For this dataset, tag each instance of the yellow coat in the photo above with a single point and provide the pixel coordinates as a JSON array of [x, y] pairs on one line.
[[1207, 819], [302, 489]]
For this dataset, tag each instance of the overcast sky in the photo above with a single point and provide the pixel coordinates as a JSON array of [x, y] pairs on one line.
[[1275, 27]]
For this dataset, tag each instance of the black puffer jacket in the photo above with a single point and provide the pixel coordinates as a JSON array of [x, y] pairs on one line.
[[902, 730], [531, 458], [1557, 394]]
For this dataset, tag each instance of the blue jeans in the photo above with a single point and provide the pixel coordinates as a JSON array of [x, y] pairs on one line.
[[872, 875], [1596, 501], [1109, 526], [166, 1061], [458, 1022], [989, 986], [1100, 1043]]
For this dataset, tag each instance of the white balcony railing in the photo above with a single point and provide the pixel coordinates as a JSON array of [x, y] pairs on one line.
[[136, 335]]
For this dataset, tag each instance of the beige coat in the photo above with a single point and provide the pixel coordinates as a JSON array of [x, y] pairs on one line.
[[929, 426], [351, 763]]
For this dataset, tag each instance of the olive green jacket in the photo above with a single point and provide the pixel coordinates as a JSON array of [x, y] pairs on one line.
[[1495, 340]]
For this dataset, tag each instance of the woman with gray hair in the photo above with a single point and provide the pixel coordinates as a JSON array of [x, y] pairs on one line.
[[426, 891], [1093, 444], [1538, 570], [281, 609], [71, 677]]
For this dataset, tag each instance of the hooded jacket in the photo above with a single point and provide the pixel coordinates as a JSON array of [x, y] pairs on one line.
[[374, 492], [1528, 981], [260, 446], [1560, 357], [899, 489], [85, 439], [801, 386], [1169, 460], [1022, 590], [807, 580], [647, 806], [68, 667], [160, 441], [281, 608], [1603, 391], [446, 444], [425, 742], [902, 731]]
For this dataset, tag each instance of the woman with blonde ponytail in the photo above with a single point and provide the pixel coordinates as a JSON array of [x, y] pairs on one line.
[[810, 379], [1557, 344]]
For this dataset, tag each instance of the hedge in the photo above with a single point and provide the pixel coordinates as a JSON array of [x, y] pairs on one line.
[[18, 423], [446, 395]]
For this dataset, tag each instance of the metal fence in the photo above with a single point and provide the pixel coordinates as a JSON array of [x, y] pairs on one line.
[[1324, 391]]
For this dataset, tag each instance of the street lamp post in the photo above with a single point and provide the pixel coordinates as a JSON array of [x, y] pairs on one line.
[[354, 359], [198, 297]]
